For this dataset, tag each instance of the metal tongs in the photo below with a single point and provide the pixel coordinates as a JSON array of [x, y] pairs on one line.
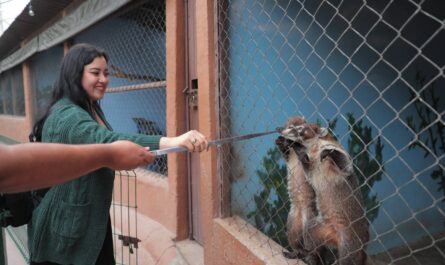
[[227, 140]]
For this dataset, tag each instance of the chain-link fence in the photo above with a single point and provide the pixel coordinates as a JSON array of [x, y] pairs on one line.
[[370, 71], [134, 40]]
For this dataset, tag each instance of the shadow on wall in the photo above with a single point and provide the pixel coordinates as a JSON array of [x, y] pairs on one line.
[[429, 131]]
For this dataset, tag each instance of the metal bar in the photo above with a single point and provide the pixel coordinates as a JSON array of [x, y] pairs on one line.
[[150, 85], [178, 149]]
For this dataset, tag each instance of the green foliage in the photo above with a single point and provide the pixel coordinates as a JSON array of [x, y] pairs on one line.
[[272, 203], [430, 133], [368, 168]]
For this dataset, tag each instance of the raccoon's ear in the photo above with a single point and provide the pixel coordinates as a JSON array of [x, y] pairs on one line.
[[338, 158]]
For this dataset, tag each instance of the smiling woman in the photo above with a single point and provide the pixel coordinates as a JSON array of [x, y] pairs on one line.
[[71, 225], [95, 78]]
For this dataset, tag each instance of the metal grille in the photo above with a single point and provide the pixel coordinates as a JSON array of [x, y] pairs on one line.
[[371, 71], [12, 99], [124, 216]]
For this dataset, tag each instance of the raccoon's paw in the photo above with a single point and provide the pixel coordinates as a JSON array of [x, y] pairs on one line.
[[283, 144]]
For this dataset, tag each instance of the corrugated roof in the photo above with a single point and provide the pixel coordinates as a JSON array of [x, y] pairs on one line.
[[25, 25]]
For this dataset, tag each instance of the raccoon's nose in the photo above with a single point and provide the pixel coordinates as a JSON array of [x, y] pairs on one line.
[[279, 140], [279, 129]]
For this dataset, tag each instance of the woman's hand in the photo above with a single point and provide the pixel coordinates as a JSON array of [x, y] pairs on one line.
[[193, 140], [126, 155]]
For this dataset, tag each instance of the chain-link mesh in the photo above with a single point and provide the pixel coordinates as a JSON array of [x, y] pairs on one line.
[[12, 99], [370, 71], [134, 40]]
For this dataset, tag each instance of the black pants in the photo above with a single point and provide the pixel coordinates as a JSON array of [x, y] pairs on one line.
[[106, 255]]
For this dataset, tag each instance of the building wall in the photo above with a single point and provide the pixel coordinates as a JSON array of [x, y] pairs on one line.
[[13, 127], [155, 208]]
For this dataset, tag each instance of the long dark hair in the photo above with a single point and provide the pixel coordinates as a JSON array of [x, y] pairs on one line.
[[69, 83]]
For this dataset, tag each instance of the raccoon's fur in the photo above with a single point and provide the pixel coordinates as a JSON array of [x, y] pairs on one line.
[[327, 209]]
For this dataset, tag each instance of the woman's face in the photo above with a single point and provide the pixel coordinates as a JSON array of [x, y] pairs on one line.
[[95, 78]]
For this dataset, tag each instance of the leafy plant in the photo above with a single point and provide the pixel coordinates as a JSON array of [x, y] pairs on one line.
[[368, 168], [429, 132], [271, 216]]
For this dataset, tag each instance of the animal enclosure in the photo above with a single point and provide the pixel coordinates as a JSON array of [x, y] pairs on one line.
[[371, 72]]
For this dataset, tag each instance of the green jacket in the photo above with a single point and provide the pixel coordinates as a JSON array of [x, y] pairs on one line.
[[69, 225]]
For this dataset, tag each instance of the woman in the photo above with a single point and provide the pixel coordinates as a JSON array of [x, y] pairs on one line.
[[71, 225]]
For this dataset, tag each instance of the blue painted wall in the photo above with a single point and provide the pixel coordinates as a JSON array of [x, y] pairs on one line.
[[288, 59]]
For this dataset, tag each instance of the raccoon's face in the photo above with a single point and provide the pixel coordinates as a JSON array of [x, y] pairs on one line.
[[285, 145], [294, 136], [313, 146], [297, 130]]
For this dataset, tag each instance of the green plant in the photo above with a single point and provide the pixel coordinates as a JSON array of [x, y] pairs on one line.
[[368, 168], [429, 131], [368, 161], [272, 203]]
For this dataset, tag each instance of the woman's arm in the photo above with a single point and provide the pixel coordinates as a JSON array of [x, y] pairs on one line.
[[74, 125], [38, 165]]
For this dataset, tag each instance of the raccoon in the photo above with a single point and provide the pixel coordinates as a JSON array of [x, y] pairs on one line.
[[327, 209]]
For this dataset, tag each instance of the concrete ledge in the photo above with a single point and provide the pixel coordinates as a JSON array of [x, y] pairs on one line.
[[192, 253], [234, 241], [13, 255]]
